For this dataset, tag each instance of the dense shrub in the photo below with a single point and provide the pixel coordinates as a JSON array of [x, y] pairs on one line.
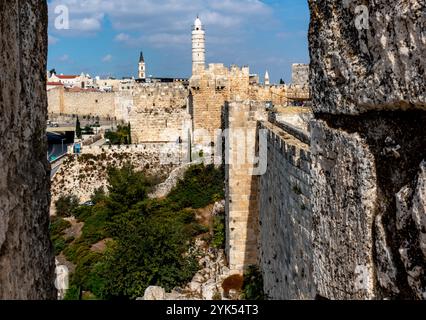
[[201, 186], [150, 237], [121, 136], [73, 293], [66, 205], [57, 227], [94, 229], [126, 188], [253, 284], [150, 249], [218, 240]]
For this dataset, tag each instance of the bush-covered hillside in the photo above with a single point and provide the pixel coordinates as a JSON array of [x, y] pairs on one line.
[[143, 241]]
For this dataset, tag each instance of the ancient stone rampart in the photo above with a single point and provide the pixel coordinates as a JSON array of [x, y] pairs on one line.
[[285, 216], [82, 103], [160, 113], [242, 182]]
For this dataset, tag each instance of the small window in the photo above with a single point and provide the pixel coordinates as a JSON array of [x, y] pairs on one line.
[[96, 101]]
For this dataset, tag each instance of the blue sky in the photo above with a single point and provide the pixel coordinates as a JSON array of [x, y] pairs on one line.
[[105, 36]]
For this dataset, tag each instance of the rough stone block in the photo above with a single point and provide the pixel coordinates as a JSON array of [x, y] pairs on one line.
[[367, 55]]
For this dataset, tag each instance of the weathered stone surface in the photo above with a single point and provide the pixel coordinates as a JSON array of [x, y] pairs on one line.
[[368, 140], [411, 214], [154, 293], [300, 74], [163, 189], [343, 201], [27, 266], [218, 208], [359, 165], [378, 65]]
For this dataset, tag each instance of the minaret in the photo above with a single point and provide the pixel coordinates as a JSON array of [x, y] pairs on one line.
[[142, 70], [198, 46], [267, 82]]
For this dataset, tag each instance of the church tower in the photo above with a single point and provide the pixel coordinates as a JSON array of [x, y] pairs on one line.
[[267, 81], [142, 70], [198, 46]]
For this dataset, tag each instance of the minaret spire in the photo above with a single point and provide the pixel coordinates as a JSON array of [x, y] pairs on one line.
[[198, 46]]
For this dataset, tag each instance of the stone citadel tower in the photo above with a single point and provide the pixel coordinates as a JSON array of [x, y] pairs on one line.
[[198, 46]]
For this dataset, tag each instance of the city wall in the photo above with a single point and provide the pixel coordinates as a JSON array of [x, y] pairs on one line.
[[160, 113], [285, 216], [341, 214], [82, 103], [242, 197]]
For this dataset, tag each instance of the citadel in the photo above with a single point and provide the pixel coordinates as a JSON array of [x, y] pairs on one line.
[[164, 109], [329, 200]]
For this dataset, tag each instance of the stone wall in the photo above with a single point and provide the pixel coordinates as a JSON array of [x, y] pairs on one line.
[[26, 255], [368, 149], [275, 94], [160, 113], [285, 217], [209, 90], [242, 182], [82, 103]]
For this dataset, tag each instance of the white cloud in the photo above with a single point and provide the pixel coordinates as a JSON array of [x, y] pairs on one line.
[[64, 58], [107, 58], [90, 24], [52, 40], [122, 37], [170, 17]]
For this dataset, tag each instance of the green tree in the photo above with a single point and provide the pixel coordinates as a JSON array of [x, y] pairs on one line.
[[129, 133], [121, 136], [253, 284], [148, 239], [201, 186], [148, 251], [66, 205], [126, 188], [78, 131], [88, 130], [98, 195]]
